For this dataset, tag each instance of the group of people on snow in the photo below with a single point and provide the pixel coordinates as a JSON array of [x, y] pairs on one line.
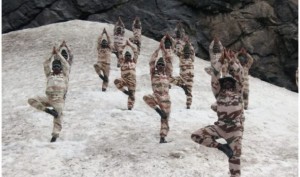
[[229, 83]]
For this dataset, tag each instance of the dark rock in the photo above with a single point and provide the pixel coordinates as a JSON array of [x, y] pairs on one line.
[[267, 29]]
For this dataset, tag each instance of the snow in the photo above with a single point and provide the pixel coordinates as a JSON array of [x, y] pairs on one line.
[[101, 138]]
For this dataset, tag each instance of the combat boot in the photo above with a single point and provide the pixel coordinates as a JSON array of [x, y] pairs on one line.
[[161, 113], [126, 92], [52, 112], [162, 140], [185, 89], [104, 78], [226, 149], [53, 139]]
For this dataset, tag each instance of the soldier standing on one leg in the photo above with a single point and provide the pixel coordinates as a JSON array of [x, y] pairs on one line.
[[185, 80], [230, 117], [167, 48], [160, 99], [104, 48], [119, 39], [179, 39], [128, 76], [137, 33], [57, 83], [246, 61]]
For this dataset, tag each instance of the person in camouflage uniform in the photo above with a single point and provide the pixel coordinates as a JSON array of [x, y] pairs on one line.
[[57, 84], [179, 39], [104, 48], [128, 77], [137, 33], [119, 39], [167, 47], [160, 99], [246, 61], [230, 116], [185, 80]]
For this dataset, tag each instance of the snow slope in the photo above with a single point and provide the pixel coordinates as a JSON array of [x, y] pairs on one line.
[[101, 138]]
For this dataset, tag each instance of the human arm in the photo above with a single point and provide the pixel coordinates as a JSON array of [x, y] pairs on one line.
[[47, 62], [152, 61]]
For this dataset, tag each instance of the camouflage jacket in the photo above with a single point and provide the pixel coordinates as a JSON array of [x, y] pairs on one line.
[[57, 85]]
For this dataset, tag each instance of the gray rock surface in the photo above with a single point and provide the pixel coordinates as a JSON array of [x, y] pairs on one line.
[[267, 29]]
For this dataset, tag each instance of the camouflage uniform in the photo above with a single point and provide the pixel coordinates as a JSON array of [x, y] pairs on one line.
[[246, 65], [119, 39], [128, 77], [179, 40], [168, 56], [230, 120], [55, 91], [104, 58], [214, 57], [160, 97], [137, 33], [186, 74]]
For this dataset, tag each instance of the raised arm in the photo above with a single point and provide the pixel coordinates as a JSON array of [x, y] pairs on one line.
[[47, 62], [135, 51], [65, 64], [249, 61], [152, 61], [99, 41], [237, 71]]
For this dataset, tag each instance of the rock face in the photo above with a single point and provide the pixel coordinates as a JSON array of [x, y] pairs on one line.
[[267, 29]]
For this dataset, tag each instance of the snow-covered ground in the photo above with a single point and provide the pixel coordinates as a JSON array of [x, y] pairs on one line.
[[101, 138]]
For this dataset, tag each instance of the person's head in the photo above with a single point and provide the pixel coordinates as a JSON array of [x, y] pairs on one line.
[[186, 51], [137, 24], [104, 43], [160, 65], [168, 43], [242, 58], [227, 83], [119, 30], [216, 46], [127, 56], [56, 66]]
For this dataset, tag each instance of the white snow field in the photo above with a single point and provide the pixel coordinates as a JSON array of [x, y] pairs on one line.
[[100, 137]]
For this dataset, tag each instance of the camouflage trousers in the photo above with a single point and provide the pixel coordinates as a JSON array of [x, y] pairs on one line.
[[120, 84], [41, 103], [179, 80], [207, 136], [105, 69], [164, 104]]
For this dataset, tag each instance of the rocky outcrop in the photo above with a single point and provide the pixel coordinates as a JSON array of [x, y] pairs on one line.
[[267, 29]]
